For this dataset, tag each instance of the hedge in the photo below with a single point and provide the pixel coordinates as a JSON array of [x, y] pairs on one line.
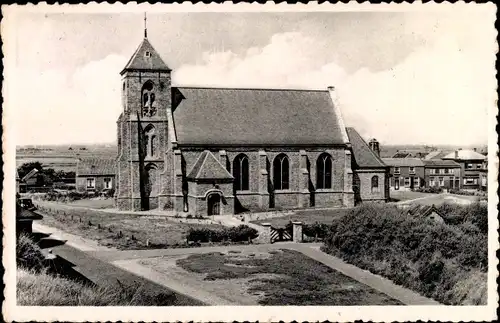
[[421, 255], [234, 234]]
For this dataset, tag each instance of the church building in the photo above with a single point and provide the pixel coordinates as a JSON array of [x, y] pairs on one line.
[[214, 151]]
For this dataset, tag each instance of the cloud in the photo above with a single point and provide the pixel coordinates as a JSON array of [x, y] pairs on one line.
[[55, 107], [439, 94]]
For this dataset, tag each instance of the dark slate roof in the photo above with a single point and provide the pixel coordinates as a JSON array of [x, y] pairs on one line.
[[403, 162], [225, 116], [363, 156], [400, 154], [418, 210], [208, 167], [140, 62], [30, 174], [440, 163], [95, 166]]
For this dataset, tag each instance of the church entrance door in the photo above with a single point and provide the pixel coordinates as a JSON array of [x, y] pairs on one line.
[[213, 204]]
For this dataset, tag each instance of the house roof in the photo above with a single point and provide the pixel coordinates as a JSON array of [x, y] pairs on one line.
[[139, 61], [465, 154], [363, 156], [401, 154], [419, 210], [403, 162], [205, 116], [95, 166], [30, 174], [208, 167], [440, 163]]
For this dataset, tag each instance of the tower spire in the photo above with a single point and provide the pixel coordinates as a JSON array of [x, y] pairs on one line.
[[145, 26]]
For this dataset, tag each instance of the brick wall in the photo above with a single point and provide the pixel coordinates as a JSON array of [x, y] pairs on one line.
[[81, 183]]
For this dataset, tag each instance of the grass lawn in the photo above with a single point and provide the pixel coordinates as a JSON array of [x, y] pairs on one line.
[[306, 216], [285, 277], [119, 230]]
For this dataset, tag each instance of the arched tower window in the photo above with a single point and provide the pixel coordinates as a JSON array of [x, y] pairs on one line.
[[150, 140], [374, 185], [149, 107], [281, 172], [241, 172], [324, 171], [150, 179]]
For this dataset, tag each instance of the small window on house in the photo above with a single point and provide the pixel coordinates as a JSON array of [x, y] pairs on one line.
[[432, 182], [90, 183], [407, 182], [441, 181], [412, 170], [375, 188], [469, 166], [478, 166], [108, 182], [148, 54], [397, 170]]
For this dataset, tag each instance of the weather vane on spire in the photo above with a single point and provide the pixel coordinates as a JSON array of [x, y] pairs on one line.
[[145, 26]]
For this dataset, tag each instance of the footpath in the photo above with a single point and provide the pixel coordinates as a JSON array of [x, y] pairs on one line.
[[98, 263]]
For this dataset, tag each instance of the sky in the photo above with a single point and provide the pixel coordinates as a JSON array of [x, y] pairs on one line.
[[402, 77]]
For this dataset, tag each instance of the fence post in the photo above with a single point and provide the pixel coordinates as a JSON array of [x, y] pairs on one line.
[[297, 231], [266, 233]]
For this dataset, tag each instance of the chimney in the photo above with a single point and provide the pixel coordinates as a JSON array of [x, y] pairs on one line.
[[456, 154], [375, 147], [475, 149]]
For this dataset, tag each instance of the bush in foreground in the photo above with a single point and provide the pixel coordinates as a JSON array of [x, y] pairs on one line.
[[434, 259], [43, 289], [28, 253]]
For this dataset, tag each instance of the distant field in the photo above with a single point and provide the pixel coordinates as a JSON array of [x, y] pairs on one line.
[[61, 157]]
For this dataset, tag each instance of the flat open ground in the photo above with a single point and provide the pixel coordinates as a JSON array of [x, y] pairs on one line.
[[401, 195], [438, 199], [276, 277], [105, 226], [306, 216]]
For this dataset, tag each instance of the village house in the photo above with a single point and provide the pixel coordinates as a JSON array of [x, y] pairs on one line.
[[473, 168], [442, 173], [226, 150], [405, 173], [95, 174]]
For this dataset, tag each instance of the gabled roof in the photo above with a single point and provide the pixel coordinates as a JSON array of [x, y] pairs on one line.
[[363, 156], [465, 154], [90, 166], [30, 174], [441, 163], [403, 162], [140, 62], [208, 167], [418, 210], [205, 116]]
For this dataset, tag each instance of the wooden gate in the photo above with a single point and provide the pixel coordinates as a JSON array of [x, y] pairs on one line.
[[281, 234]]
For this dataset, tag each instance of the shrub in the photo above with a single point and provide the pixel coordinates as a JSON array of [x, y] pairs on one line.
[[234, 234], [28, 253], [432, 189], [421, 255]]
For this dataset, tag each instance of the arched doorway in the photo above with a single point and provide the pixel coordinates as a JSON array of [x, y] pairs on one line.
[[213, 204]]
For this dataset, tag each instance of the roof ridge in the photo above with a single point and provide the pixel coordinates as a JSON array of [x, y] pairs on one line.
[[245, 88]]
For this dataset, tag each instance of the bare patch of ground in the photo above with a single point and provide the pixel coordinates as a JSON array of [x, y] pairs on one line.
[[280, 277]]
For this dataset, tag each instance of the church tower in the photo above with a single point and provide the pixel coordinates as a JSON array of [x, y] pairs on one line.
[[142, 128]]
